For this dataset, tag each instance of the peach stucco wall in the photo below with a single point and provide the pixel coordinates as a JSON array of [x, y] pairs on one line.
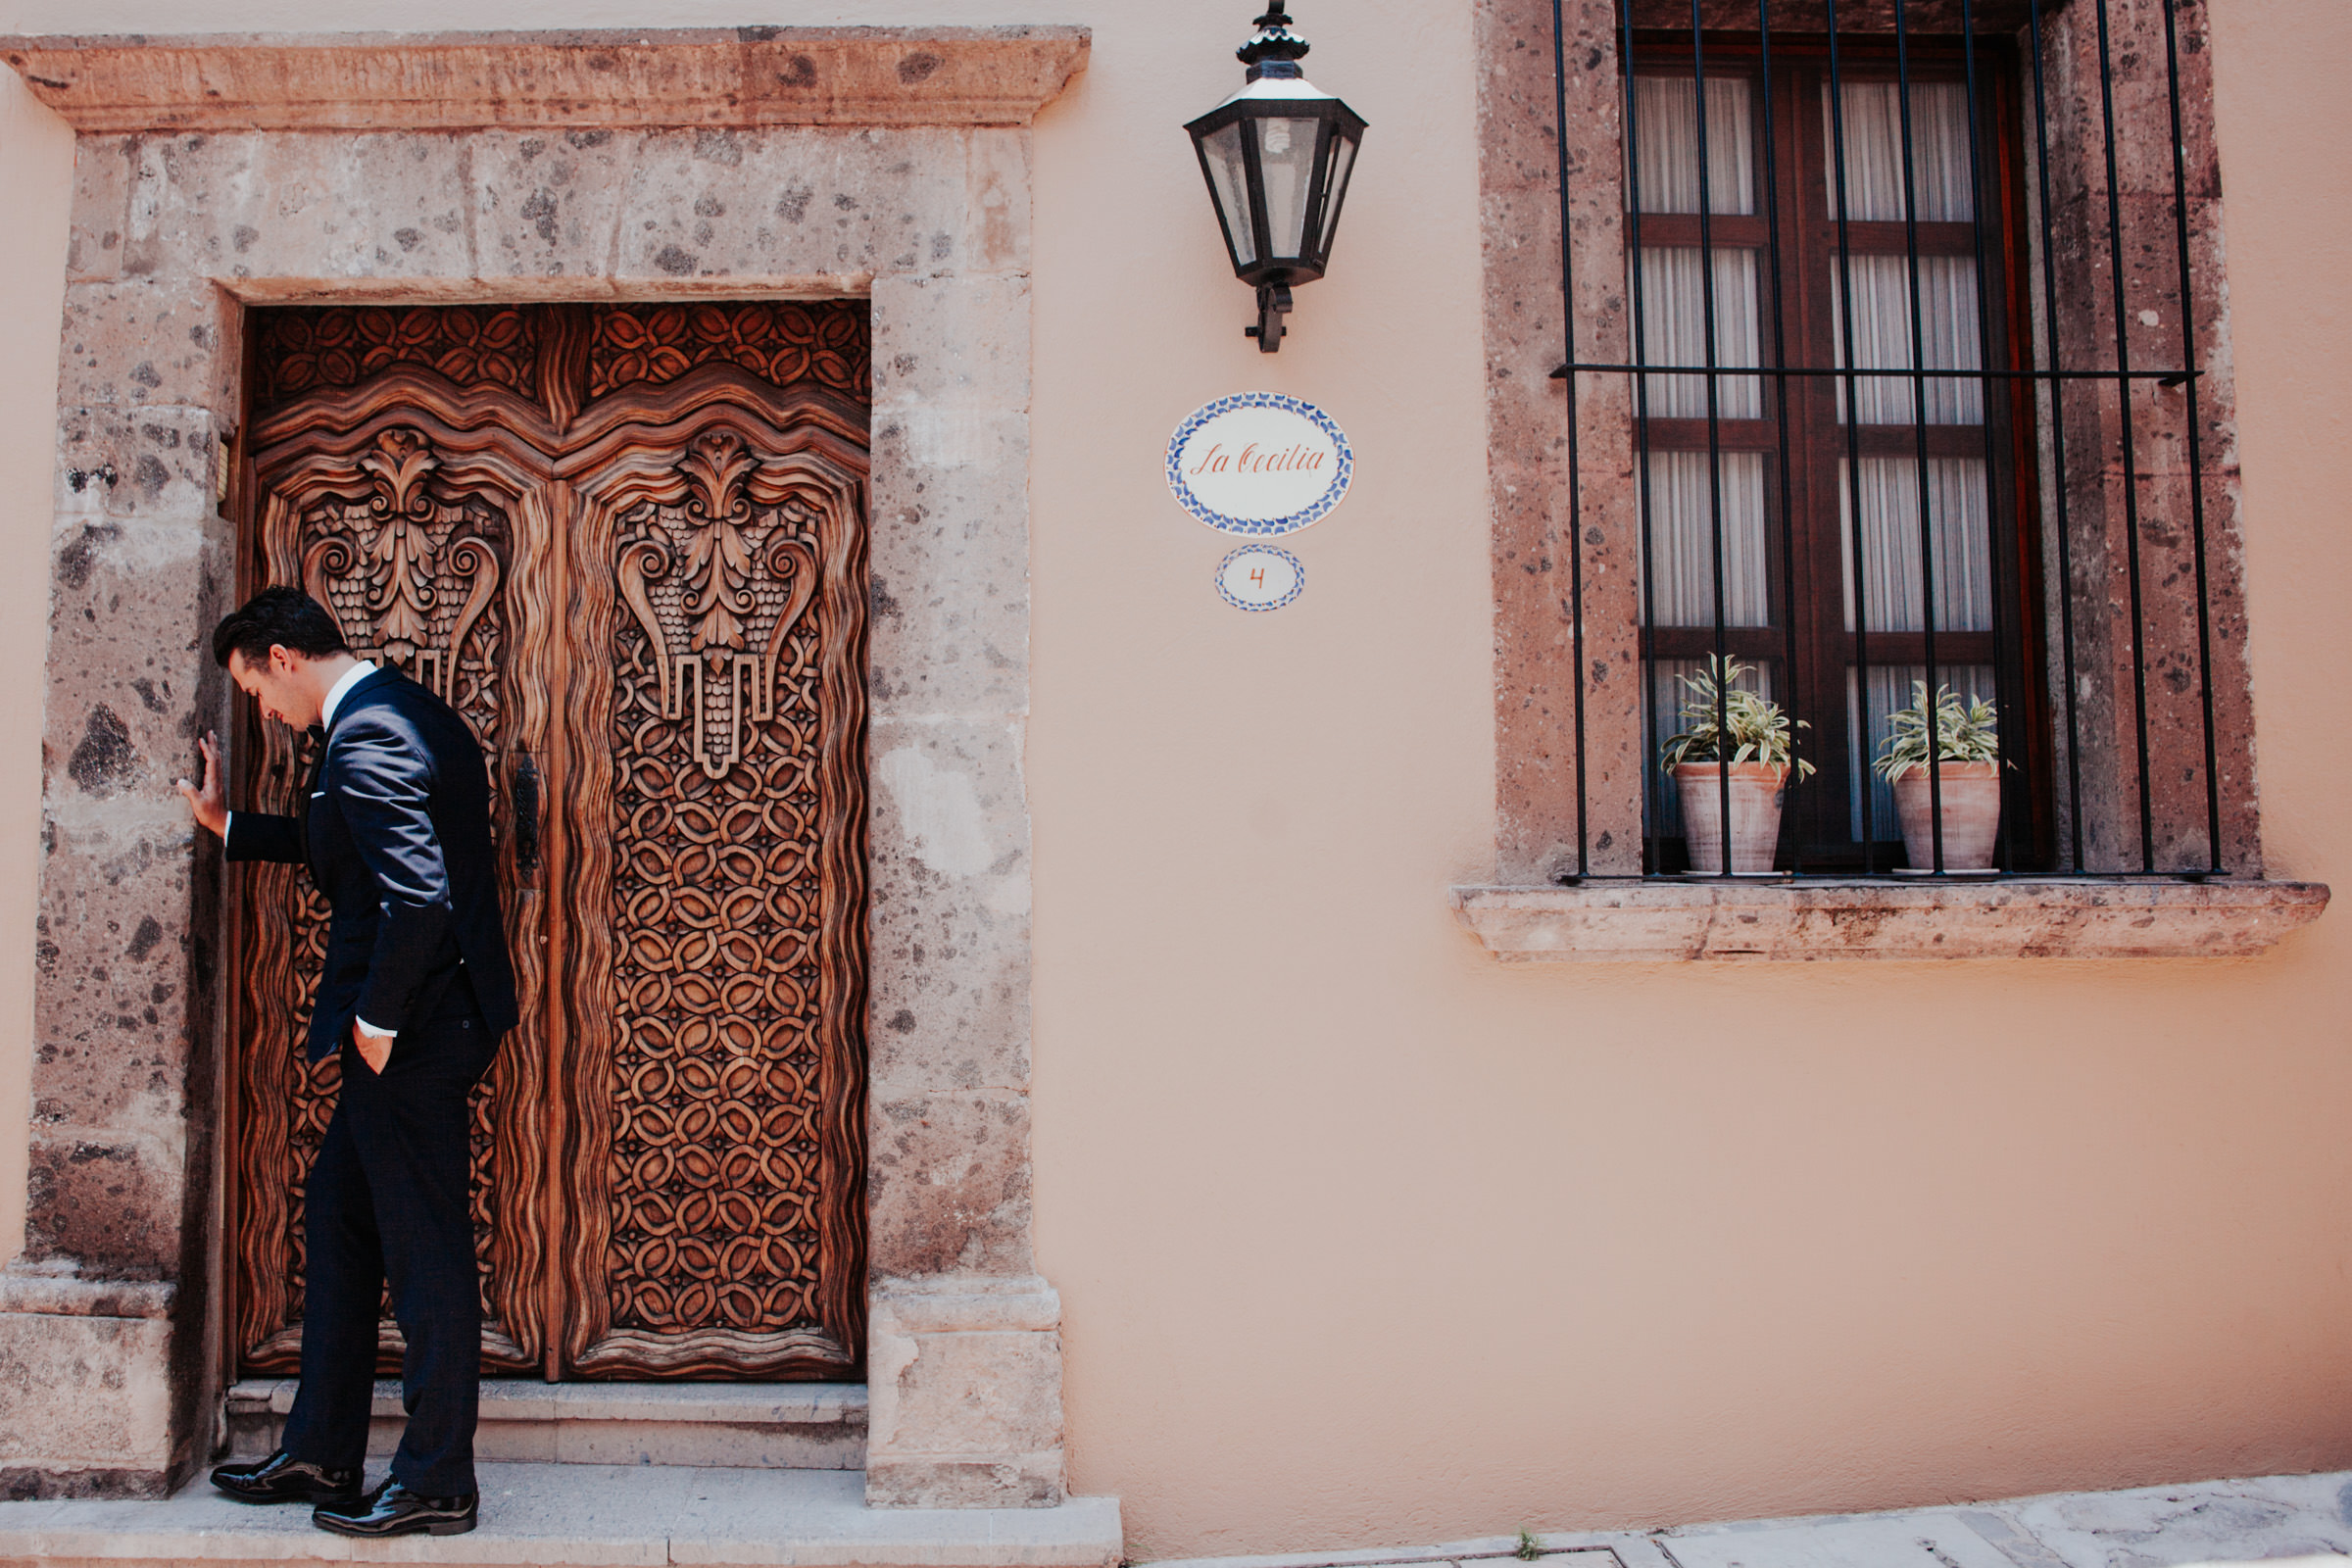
[[1365, 1240]]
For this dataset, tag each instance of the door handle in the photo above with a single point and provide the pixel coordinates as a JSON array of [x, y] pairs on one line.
[[527, 815]]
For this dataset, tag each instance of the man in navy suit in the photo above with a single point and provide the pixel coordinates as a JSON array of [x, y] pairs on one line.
[[416, 990]]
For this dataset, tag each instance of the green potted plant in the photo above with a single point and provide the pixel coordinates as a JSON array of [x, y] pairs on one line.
[[1968, 778], [1753, 741]]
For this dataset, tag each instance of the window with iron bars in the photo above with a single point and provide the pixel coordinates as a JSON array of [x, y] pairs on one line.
[[1893, 361]]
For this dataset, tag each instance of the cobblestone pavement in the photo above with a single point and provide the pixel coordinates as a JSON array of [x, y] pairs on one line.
[[2281, 1520]]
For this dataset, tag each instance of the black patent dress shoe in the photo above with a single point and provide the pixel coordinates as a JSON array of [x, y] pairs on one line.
[[392, 1509], [282, 1478]]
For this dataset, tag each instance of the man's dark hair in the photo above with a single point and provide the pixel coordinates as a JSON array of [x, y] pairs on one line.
[[281, 618]]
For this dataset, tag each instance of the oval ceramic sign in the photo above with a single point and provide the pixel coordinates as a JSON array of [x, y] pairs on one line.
[[1259, 464], [1260, 577]]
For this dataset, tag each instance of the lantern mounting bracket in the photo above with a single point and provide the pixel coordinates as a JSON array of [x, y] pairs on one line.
[[1273, 304]]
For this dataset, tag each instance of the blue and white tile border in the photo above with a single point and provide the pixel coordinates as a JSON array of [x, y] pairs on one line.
[[1298, 577], [1269, 527]]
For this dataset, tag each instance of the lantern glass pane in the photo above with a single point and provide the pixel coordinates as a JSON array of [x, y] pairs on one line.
[[1286, 156], [1335, 189], [1223, 151]]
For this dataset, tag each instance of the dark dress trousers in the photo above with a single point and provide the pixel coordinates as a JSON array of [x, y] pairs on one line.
[[397, 835]]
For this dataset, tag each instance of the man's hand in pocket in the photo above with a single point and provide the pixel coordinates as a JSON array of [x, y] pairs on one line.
[[375, 1050]]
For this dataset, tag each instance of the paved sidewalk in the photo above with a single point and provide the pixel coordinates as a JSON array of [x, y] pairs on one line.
[[2279, 1520]]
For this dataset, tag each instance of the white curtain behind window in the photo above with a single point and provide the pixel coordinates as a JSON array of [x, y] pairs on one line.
[[1681, 540], [1674, 314], [1893, 582], [1948, 335], [1666, 145], [1874, 152]]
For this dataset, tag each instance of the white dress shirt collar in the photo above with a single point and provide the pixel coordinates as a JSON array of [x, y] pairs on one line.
[[342, 689]]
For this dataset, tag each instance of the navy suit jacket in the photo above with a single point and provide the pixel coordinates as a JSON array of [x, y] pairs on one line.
[[398, 838]]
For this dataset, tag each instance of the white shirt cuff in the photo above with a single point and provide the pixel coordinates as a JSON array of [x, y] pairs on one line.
[[367, 1028]]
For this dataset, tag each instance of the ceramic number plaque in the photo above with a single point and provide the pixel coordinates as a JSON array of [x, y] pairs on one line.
[[1260, 577], [1259, 464]]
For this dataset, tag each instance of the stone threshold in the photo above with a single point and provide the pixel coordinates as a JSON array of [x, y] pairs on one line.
[[1811, 920], [807, 1425], [588, 1515]]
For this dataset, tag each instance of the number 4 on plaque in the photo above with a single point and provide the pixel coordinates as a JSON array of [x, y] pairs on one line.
[[1260, 577]]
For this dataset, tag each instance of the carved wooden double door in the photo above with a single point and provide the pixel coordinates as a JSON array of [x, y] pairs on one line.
[[628, 543]]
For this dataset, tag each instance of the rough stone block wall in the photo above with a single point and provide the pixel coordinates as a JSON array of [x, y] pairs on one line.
[[1538, 517], [2112, 510], [107, 1364]]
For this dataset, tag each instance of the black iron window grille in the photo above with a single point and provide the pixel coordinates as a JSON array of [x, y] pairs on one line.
[[1911, 391]]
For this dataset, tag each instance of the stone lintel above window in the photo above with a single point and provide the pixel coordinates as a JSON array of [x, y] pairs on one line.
[[1652, 920], [733, 77]]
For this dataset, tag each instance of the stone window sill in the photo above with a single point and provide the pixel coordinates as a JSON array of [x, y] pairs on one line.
[[1803, 921]]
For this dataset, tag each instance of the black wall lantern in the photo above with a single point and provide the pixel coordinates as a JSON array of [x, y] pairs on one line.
[[1277, 156]]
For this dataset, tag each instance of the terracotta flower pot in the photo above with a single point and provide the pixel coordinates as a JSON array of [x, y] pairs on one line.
[[1756, 791], [1972, 815]]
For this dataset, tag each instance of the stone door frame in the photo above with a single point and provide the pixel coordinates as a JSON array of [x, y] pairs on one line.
[[212, 175]]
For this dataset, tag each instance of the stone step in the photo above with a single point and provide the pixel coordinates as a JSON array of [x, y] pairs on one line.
[[586, 1515], [764, 1426]]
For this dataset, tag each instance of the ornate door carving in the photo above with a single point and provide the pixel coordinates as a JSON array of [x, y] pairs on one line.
[[635, 562]]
